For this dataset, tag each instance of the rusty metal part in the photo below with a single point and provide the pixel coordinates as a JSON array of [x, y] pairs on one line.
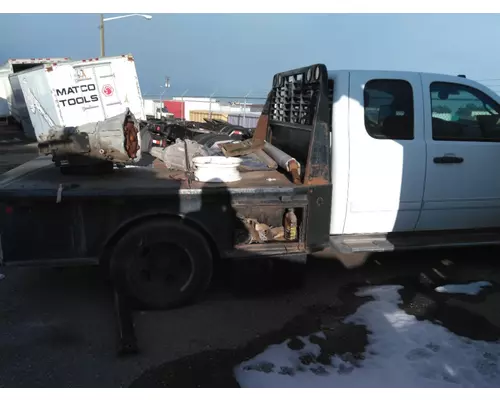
[[115, 139], [294, 169], [254, 236], [242, 148], [131, 139], [266, 159], [278, 233], [285, 161], [313, 181], [261, 129], [265, 249], [318, 163]]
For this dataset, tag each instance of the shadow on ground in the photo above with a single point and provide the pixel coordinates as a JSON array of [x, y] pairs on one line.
[[214, 368]]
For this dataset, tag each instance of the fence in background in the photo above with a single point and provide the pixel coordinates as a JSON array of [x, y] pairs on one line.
[[243, 111]]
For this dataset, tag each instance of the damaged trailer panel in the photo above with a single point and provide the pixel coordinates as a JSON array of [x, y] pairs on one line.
[[9, 106], [78, 92]]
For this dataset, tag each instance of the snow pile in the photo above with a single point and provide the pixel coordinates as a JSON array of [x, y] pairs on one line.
[[402, 352], [470, 288]]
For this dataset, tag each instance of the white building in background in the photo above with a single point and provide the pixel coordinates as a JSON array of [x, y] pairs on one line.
[[211, 104]]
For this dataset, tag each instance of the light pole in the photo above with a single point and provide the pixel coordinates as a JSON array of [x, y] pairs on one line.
[[103, 20], [183, 94], [166, 86], [245, 108], [210, 104]]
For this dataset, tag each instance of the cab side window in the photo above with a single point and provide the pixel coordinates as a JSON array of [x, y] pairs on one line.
[[389, 112], [463, 113]]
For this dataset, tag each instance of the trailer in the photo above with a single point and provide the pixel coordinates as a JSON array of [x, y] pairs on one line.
[[155, 109], [8, 109], [77, 92]]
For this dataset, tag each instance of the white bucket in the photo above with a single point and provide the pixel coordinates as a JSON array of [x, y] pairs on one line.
[[216, 169]]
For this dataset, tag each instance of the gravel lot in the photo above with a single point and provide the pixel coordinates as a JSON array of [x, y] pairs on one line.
[[58, 325]]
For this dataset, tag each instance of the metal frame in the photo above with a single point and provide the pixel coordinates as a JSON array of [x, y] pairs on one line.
[[298, 104]]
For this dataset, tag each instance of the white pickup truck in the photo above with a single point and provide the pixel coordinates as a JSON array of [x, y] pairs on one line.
[[413, 154], [374, 161]]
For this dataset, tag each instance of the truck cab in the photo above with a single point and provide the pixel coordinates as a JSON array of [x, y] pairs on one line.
[[413, 157]]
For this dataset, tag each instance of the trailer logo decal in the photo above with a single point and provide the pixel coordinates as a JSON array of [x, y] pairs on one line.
[[81, 74], [83, 90], [107, 90]]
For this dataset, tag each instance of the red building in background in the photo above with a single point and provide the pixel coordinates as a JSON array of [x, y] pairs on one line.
[[175, 107]]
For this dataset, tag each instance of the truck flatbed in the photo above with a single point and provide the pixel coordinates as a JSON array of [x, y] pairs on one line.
[[161, 234], [40, 178]]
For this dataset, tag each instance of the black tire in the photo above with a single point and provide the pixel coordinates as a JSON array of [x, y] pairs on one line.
[[162, 264], [146, 143]]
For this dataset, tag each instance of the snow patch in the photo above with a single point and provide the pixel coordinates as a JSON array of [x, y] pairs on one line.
[[402, 352], [470, 288]]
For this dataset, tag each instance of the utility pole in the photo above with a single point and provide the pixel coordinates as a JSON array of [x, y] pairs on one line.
[[165, 86], [183, 94], [210, 104], [101, 27], [245, 108]]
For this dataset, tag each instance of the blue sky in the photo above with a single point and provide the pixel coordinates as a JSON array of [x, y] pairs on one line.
[[235, 53]]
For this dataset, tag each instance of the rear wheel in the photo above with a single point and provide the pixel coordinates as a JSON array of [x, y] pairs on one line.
[[162, 264]]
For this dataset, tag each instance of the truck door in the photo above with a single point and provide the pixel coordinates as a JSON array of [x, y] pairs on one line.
[[462, 188], [386, 152]]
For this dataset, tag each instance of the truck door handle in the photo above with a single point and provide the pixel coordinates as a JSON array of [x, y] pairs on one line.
[[448, 160]]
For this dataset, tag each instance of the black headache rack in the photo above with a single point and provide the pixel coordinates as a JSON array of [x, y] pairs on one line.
[[299, 118]]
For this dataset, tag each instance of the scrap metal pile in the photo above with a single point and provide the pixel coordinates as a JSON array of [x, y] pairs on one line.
[[166, 132], [114, 140], [212, 150], [123, 139]]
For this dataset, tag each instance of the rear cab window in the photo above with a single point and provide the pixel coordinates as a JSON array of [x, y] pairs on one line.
[[389, 109]]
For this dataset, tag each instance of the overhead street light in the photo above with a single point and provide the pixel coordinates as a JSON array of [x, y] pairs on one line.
[[103, 20]]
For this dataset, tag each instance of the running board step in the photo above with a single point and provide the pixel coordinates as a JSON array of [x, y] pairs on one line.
[[381, 243]]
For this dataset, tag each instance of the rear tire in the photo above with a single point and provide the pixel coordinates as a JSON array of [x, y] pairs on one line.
[[162, 264]]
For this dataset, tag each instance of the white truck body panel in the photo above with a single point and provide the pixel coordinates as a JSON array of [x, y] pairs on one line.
[[7, 104], [386, 178], [385, 185], [79, 92]]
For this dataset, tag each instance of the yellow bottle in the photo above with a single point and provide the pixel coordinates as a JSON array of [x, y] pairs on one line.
[[290, 225]]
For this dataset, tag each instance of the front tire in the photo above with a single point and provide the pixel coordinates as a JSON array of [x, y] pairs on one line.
[[162, 264]]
